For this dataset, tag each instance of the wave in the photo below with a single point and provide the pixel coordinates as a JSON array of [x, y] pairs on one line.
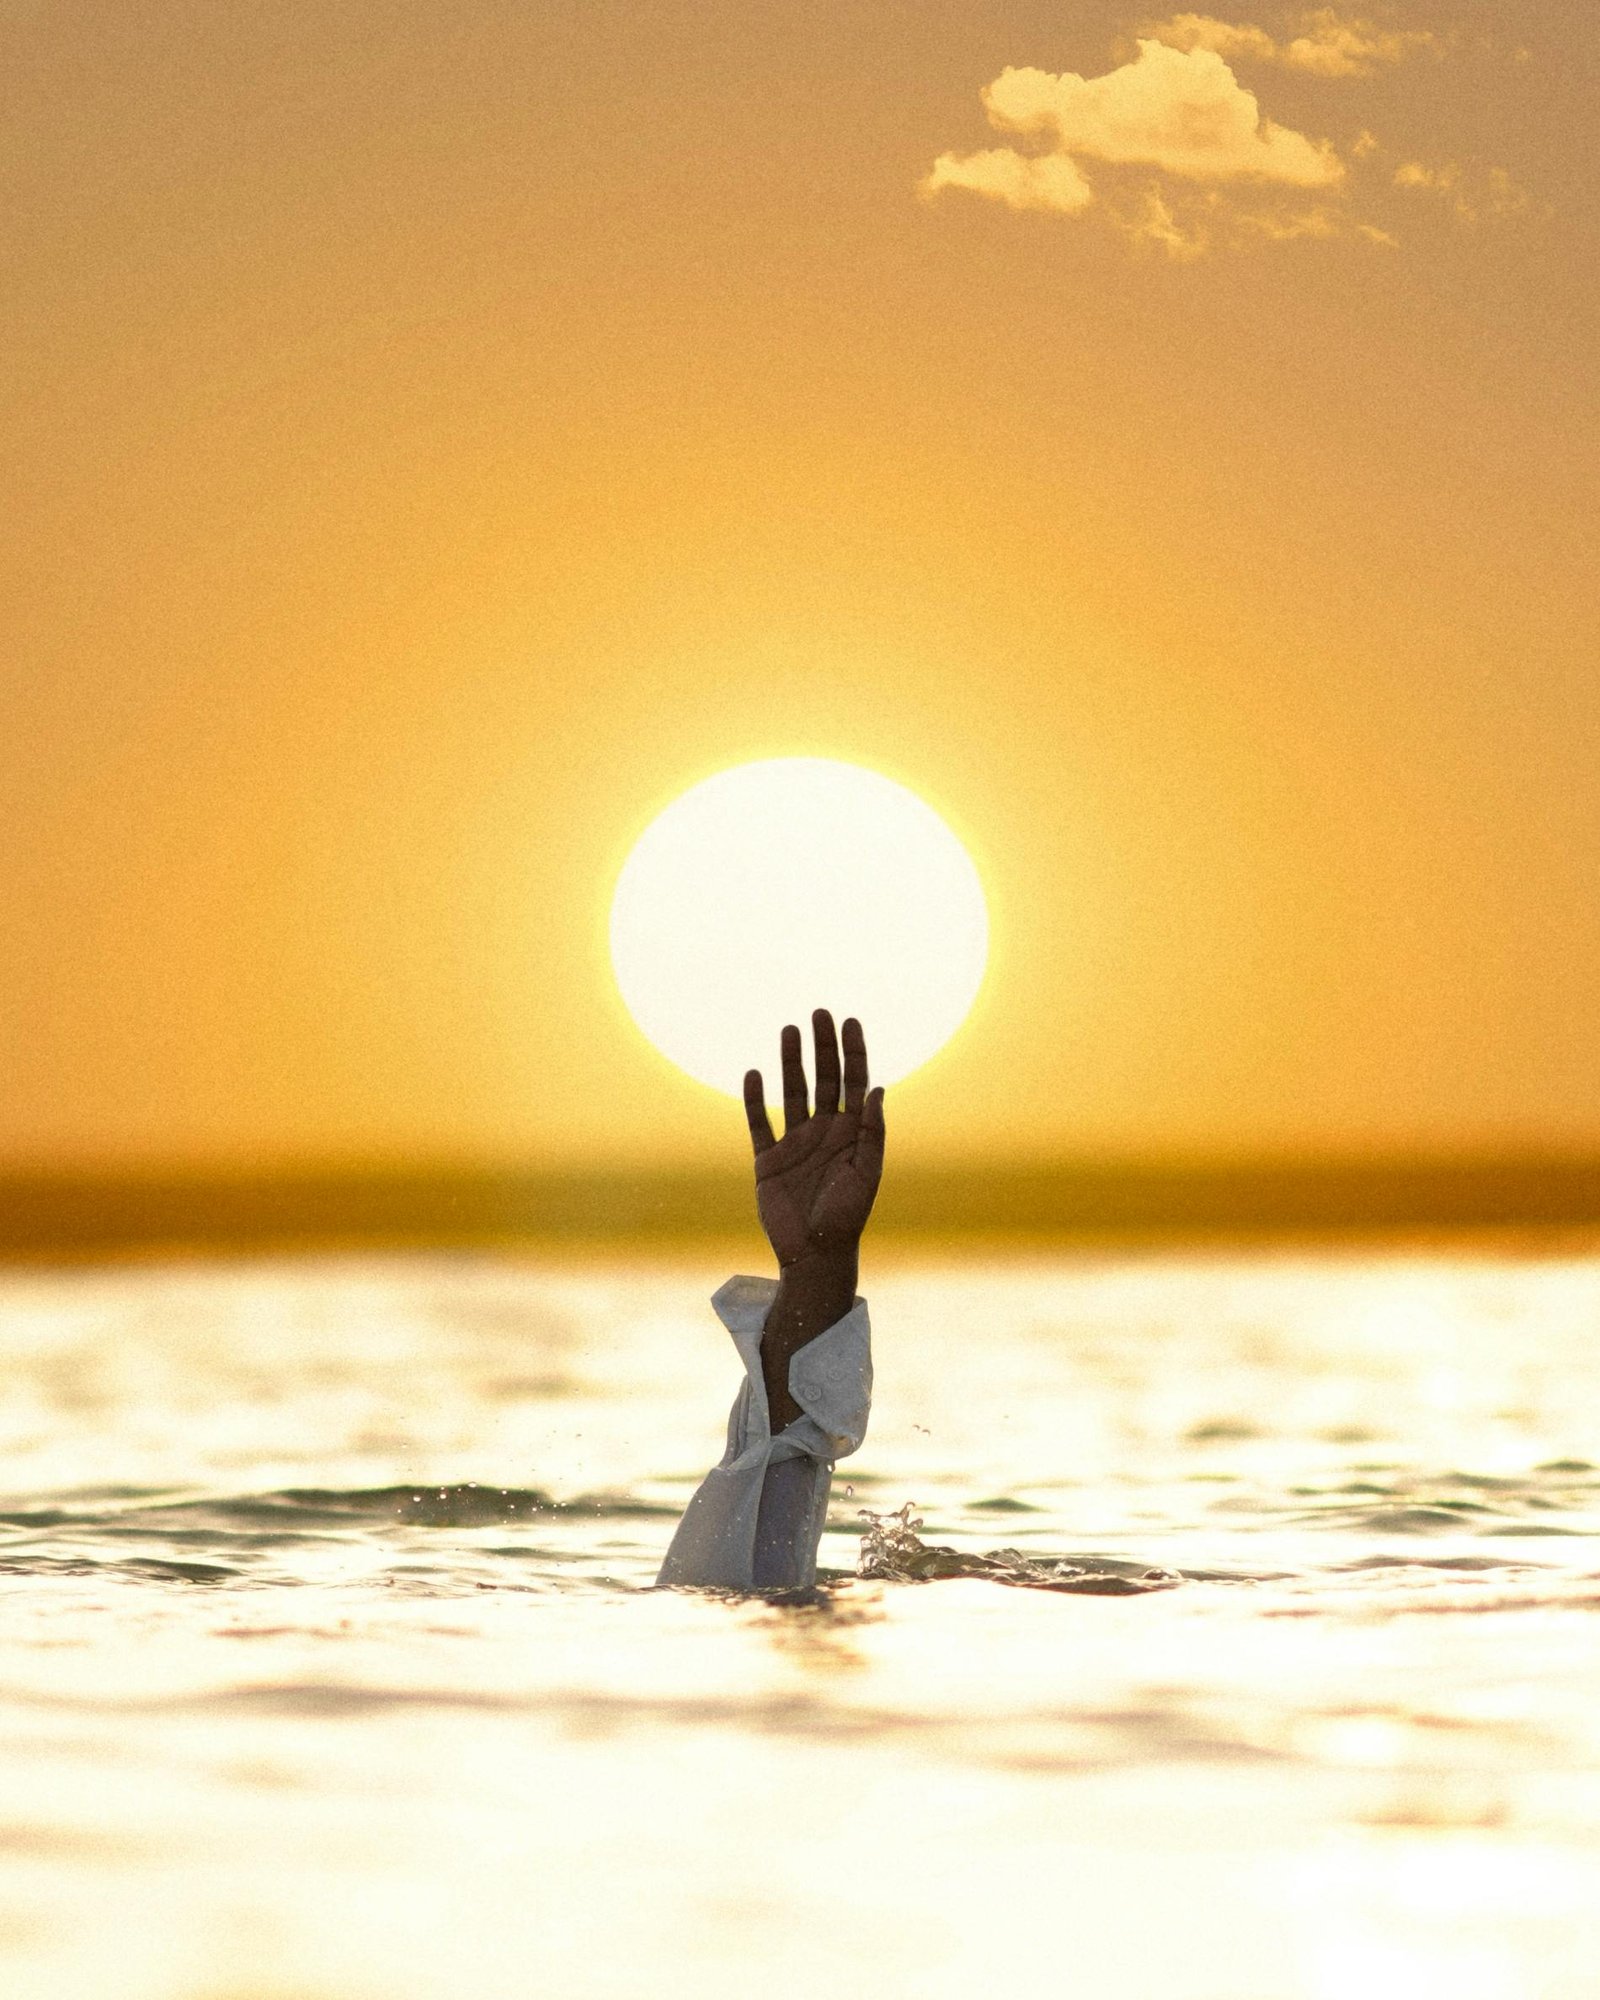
[[893, 1552], [128, 1536], [464, 1504]]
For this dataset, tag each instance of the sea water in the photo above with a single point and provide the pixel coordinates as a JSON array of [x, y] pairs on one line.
[[1209, 1627]]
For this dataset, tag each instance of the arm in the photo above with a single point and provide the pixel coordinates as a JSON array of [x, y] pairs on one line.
[[756, 1519], [813, 1293]]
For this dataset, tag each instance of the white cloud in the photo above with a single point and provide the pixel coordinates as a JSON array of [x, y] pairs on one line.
[[1174, 153], [1413, 174], [1223, 38], [1182, 114], [1328, 43], [1045, 181], [1473, 194], [1183, 111], [1324, 223], [1186, 225], [1153, 220]]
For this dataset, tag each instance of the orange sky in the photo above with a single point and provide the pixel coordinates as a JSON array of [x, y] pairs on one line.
[[437, 435]]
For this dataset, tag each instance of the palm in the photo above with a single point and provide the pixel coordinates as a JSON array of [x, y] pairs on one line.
[[809, 1189], [815, 1186]]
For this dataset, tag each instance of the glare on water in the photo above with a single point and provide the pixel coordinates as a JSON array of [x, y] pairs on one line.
[[1246, 1650]]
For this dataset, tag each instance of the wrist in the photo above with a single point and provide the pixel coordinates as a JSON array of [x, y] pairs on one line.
[[815, 1290], [823, 1259]]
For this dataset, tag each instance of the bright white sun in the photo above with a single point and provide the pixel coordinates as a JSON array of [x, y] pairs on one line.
[[778, 887]]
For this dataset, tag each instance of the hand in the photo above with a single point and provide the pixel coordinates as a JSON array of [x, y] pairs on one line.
[[815, 1186]]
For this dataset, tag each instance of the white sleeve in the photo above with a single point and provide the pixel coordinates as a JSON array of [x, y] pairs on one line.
[[756, 1520]]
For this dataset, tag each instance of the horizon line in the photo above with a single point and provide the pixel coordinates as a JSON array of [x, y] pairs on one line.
[[107, 1211]]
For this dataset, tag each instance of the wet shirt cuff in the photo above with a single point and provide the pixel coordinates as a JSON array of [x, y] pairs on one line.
[[831, 1379]]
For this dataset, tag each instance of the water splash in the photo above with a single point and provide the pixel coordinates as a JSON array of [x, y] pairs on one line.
[[893, 1552]]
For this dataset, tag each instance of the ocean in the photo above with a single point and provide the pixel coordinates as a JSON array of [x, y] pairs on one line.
[[1194, 1625]]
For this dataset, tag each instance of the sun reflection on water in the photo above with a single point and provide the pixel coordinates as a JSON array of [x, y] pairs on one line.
[[1245, 1646]]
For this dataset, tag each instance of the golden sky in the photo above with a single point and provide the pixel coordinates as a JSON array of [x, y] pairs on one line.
[[438, 434]]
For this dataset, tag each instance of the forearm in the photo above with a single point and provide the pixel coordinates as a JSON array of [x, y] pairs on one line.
[[756, 1519], [814, 1292]]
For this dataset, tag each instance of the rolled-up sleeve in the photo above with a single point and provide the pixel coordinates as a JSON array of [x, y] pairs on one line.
[[757, 1517]]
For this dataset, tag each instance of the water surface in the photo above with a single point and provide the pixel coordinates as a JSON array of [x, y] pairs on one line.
[[1246, 1649]]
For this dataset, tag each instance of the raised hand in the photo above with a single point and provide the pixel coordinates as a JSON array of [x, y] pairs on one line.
[[814, 1191], [815, 1186]]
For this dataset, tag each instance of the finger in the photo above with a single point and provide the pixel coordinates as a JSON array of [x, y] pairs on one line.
[[855, 1065], [794, 1080], [755, 1110], [827, 1061], [868, 1154]]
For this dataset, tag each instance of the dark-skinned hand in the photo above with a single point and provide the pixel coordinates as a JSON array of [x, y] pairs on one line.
[[815, 1186]]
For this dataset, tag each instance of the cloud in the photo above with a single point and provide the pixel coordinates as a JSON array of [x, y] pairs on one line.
[[1174, 153], [1222, 38], [1152, 220], [1049, 181], [1329, 44], [1324, 223], [1188, 228], [1183, 112], [1413, 174], [1473, 194]]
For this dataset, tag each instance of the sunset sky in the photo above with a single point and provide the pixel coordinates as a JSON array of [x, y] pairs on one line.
[[438, 434]]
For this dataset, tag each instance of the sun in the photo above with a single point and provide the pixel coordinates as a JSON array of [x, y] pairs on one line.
[[799, 882]]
